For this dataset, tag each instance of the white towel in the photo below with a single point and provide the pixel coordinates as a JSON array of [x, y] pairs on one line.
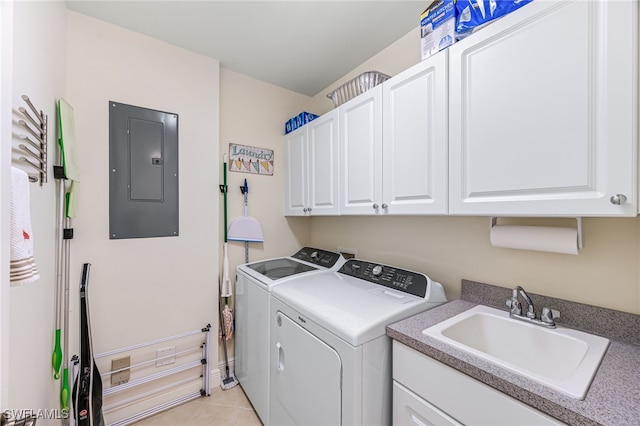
[[22, 265]]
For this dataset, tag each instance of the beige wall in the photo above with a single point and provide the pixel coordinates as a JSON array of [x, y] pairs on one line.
[[606, 273], [448, 249], [148, 288], [39, 72], [253, 113]]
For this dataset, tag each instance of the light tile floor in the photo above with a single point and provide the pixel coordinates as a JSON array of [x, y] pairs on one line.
[[223, 407]]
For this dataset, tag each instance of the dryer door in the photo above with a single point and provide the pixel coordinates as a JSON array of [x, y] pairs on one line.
[[306, 377]]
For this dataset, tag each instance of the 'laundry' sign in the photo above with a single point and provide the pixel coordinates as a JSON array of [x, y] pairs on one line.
[[249, 159]]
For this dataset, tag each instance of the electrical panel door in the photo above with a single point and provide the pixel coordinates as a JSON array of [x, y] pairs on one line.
[[143, 172]]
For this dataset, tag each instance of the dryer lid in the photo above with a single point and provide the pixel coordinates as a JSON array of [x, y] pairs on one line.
[[353, 309]]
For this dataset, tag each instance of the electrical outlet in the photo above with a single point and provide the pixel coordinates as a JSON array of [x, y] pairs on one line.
[[164, 356], [121, 376], [348, 253]]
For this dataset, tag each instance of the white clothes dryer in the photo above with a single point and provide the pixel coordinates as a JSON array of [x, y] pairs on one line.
[[330, 355], [254, 282]]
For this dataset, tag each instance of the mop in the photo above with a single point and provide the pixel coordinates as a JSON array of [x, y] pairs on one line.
[[67, 171], [226, 316], [225, 290], [230, 380]]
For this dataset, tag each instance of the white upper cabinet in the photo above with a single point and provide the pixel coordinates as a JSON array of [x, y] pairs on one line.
[[414, 141], [296, 189], [543, 113], [535, 114], [394, 144], [361, 153], [312, 168], [323, 163]]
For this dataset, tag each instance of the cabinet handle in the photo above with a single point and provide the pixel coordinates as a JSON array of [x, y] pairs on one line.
[[385, 206], [305, 210], [375, 206], [618, 199], [309, 209]]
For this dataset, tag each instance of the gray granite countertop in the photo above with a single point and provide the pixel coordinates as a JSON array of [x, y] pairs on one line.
[[614, 396]]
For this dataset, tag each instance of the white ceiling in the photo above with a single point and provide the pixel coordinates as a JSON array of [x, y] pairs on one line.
[[300, 45]]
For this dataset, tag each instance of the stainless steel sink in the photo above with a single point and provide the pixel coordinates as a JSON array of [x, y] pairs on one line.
[[562, 358]]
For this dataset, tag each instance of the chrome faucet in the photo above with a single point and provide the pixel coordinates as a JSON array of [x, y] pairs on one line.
[[547, 317]]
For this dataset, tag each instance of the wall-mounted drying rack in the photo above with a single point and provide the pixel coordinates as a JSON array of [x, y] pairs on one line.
[[35, 142], [198, 364]]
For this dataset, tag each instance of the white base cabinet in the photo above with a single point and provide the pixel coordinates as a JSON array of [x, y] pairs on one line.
[[411, 410], [427, 392]]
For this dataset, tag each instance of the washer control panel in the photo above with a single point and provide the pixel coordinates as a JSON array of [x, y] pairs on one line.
[[389, 276], [317, 256]]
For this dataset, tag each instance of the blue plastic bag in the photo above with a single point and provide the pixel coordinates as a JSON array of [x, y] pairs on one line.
[[470, 14]]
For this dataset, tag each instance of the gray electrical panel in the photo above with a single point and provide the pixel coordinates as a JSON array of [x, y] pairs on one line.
[[143, 172]]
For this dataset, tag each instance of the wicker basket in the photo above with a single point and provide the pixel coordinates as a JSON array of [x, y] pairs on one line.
[[354, 87]]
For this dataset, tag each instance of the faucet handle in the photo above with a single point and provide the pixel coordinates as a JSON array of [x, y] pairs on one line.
[[514, 306], [549, 315]]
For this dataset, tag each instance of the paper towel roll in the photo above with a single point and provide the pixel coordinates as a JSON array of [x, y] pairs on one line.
[[539, 238]]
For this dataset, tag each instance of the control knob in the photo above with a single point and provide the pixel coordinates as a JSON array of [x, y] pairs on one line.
[[377, 271]]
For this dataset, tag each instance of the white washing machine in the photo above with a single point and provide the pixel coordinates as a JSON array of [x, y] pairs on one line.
[[254, 282], [330, 356]]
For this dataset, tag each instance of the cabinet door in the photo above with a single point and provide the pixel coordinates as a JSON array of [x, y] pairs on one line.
[[411, 410], [295, 167], [324, 165], [414, 143], [543, 112], [458, 397], [361, 148]]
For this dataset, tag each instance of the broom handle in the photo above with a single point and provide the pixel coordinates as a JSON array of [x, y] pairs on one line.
[[225, 195], [56, 356], [224, 178]]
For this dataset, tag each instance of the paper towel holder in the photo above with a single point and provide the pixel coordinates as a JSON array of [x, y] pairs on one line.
[[494, 221]]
